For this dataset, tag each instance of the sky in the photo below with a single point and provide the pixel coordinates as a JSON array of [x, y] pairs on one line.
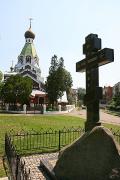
[[60, 28]]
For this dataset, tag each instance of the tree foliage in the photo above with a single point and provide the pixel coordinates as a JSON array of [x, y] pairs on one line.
[[59, 79], [115, 102], [17, 89], [71, 96], [1, 86], [81, 93], [1, 83], [1, 76]]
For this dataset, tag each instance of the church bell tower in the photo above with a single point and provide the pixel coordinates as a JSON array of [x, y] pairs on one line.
[[28, 61]]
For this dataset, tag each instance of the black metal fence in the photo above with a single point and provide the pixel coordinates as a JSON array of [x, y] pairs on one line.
[[17, 144], [16, 166], [32, 142]]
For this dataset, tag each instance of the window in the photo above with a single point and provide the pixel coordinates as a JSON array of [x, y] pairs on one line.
[[28, 59]]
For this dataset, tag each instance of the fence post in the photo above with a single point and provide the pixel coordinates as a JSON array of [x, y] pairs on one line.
[[29, 178], [59, 141], [17, 166]]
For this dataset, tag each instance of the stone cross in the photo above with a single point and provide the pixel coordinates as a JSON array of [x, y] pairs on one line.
[[95, 57]]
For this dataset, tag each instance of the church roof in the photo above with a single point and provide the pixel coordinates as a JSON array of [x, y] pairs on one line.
[[29, 49], [29, 34], [36, 92]]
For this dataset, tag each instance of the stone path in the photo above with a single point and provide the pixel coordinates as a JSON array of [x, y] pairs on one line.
[[4, 178], [104, 117], [33, 162]]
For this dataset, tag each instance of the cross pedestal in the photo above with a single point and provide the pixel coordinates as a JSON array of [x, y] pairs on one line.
[[95, 57]]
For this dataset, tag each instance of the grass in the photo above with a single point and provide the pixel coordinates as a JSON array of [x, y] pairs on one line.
[[17, 123], [2, 171], [29, 122]]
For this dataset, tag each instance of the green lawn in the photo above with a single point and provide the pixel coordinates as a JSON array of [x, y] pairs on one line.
[[17, 123], [29, 122], [2, 172]]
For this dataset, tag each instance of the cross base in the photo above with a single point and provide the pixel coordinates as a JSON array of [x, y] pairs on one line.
[[90, 125]]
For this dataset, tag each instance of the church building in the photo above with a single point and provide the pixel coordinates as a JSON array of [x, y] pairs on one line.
[[28, 62], [28, 65]]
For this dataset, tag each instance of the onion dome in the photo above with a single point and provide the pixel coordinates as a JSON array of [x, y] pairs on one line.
[[29, 34]]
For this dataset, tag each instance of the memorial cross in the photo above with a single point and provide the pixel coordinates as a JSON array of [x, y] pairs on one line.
[[95, 57]]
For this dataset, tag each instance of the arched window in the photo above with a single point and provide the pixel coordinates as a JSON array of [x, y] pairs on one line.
[[28, 59]]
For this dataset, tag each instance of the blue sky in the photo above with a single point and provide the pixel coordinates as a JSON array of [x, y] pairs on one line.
[[60, 28]]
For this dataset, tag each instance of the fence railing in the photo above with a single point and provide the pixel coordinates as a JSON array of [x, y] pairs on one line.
[[16, 166], [17, 144], [44, 140]]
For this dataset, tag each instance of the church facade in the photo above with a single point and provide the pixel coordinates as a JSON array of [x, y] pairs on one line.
[[28, 65], [28, 62]]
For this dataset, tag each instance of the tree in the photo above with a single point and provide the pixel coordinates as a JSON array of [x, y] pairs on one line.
[[58, 81], [17, 89], [54, 64], [115, 102], [1, 86], [1, 83], [71, 96], [1, 76], [81, 93]]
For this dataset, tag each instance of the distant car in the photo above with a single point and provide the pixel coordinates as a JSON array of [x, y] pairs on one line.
[[83, 107]]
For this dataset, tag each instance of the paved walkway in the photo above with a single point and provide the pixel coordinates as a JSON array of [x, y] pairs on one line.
[[104, 117], [33, 162]]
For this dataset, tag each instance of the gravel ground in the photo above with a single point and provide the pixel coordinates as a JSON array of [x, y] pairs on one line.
[[33, 162]]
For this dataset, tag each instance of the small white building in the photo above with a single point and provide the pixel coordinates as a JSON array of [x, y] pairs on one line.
[[63, 99]]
